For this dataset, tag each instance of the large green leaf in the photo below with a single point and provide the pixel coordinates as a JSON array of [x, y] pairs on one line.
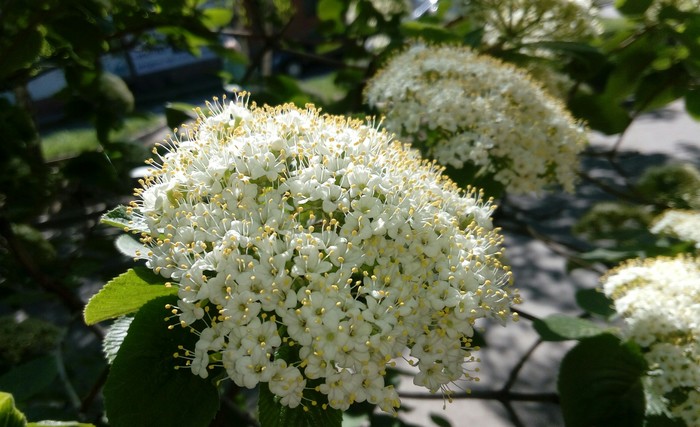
[[125, 294], [30, 378], [9, 415], [601, 113], [274, 414], [600, 384], [559, 327], [144, 389]]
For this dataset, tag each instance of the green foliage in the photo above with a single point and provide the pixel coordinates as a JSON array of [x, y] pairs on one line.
[[600, 383], [58, 424], [125, 294], [25, 340], [673, 185], [617, 224], [177, 113], [692, 103], [115, 337], [121, 218], [595, 302], [10, 416], [30, 378], [129, 246], [633, 7], [439, 420], [273, 414], [559, 327], [144, 388]]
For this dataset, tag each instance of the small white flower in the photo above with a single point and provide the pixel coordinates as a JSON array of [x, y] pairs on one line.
[[310, 247]]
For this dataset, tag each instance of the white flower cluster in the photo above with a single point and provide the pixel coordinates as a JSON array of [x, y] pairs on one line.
[[390, 8], [652, 12], [469, 108], [310, 250], [659, 300], [517, 23], [682, 224]]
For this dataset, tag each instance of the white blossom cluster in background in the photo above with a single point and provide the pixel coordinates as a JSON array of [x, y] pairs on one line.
[[512, 24], [310, 250], [389, 8], [681, 224], [659, 299], [652, 12], [466, 108]]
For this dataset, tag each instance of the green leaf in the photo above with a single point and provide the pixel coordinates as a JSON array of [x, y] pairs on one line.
[[330, 10], [692, 103], [115, 337], [633, 7], [595, 302], [30, 378], [21, 53], [439, 420], [609, 256], [601, 113], [177, 113], [217, 17], [427, 31], [600, 384], [119, 217], [126, 294], [130, 247], [559, 327], [50, 423], [660, 88], [144, 389], [10, 416], [273, 414]]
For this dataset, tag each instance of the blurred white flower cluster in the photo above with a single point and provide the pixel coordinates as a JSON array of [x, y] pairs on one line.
[[310, 250], [516, 24], [681, 224], [656, 6], [465, 108], [390, 8], [659, 299]]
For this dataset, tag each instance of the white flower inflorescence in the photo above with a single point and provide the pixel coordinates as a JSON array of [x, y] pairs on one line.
[[465, 108], [310, 250], [681, 224], [659, 299], [516, 23], [652, 12]]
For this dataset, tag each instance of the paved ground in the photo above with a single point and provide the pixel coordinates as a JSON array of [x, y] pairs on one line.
[[546, 287]]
